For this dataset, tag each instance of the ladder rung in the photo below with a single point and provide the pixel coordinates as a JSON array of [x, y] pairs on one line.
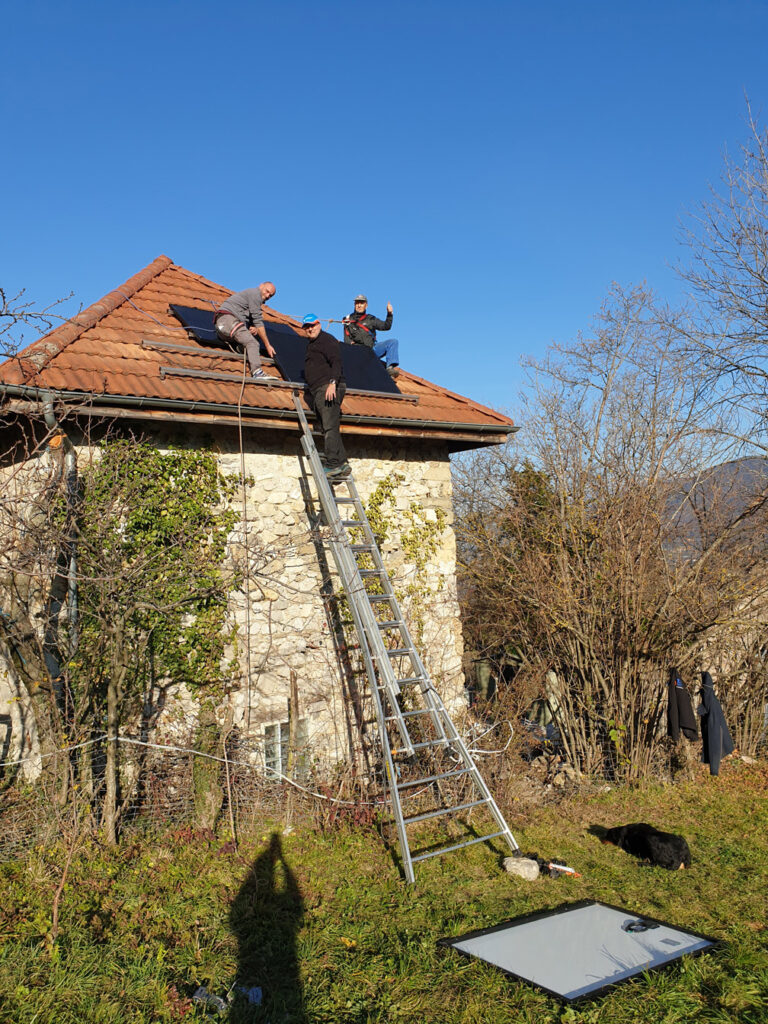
[[344, 501], [433, 778], [380, 597], [459, 846], [421, 746], [352, 522], [358, 548], [411, 679], [371, 572], [399, 652], [442, 810], [391, 624], [408, 714]]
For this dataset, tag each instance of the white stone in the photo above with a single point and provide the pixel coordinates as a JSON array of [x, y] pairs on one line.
[[522, 867]]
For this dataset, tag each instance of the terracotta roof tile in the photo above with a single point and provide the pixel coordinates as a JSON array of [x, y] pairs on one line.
[[98, 356]]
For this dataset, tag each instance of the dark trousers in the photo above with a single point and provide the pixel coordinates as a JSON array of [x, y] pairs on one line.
[[328, 416]]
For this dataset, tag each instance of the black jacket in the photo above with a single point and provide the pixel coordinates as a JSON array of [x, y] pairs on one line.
[[714, 728], [362, 327], [680, 714], [322, 363]]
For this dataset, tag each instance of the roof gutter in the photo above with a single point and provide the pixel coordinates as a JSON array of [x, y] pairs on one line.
[[42, 395]]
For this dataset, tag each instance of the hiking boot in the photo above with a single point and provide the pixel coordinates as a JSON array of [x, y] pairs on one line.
[[338, 472], [259, 374], [394, 370]]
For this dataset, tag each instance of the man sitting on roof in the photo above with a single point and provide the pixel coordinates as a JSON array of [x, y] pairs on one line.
[[325, 392], [239, 319], [360, 329]]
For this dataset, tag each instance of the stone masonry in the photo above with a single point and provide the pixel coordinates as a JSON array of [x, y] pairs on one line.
[[283, 625]]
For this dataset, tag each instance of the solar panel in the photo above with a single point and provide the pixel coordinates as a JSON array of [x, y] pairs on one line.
[[579, 950], [198, 321], [363, 370]]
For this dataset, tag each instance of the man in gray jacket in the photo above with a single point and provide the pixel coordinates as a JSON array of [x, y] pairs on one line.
[[239, 319]]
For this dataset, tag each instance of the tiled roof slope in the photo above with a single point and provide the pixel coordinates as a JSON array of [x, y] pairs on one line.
[[110, 357]]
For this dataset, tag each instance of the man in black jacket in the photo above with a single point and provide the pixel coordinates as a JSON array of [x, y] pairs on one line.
[[360, 329], [324, 376]]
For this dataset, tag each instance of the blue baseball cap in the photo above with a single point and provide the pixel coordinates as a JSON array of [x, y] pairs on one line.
[[310, 319]]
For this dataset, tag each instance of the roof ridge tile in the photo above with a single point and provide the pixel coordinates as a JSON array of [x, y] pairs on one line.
[[40, 352]]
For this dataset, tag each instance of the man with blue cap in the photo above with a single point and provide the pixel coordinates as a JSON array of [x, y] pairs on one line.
[[325, 392]]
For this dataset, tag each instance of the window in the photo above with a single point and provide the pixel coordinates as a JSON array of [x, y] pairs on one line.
[[277, 750]]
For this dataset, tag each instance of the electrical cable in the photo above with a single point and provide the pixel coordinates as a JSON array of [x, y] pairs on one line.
[[173, 327]]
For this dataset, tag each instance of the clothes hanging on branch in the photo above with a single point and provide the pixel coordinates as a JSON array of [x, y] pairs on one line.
[[680, 716], [714, 728]]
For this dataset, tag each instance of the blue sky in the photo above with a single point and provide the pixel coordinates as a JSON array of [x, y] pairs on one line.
[[490, 168]]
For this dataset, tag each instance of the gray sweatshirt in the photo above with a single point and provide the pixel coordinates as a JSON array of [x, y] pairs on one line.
[[246, 306]]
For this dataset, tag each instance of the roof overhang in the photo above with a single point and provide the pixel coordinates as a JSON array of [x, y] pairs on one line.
[[28, 400]]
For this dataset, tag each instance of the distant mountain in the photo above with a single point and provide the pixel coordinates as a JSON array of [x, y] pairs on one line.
[[703, 506]]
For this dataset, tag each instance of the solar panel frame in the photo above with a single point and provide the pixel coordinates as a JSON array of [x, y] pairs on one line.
[[706, 944]]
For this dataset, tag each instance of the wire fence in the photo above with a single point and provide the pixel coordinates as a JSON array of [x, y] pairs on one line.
[[158, 790]]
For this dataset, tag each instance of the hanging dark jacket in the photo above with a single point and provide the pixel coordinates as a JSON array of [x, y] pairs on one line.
[[361, 328], [714, 728], [680, 714]]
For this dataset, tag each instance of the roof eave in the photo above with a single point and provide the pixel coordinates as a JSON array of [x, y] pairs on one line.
[[84, 404]]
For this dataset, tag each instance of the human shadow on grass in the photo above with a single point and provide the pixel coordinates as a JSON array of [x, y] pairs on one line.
[[265, 919]]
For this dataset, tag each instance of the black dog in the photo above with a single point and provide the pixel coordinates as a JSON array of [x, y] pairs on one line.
[[664, 849]]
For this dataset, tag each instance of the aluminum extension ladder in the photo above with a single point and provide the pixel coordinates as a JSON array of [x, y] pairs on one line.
[[413, 723]]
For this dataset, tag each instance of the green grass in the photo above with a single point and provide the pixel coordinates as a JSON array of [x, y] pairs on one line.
[[325, 925]]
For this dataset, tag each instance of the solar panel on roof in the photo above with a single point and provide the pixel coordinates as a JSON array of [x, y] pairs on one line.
[[363, 370], [198, 321]]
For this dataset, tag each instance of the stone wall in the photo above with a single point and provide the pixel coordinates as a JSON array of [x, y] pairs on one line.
[[286, 642], [286, 617]]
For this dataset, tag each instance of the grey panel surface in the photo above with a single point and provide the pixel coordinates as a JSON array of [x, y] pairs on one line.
[[576, 951]]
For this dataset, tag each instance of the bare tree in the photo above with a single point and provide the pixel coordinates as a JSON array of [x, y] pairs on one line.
[[587, 548], [727, 323], [19, 318]]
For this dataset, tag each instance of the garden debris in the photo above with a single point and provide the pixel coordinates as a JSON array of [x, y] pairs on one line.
[[217, 1004], [529, 866], [220, 1004], [252, 994], [556, 771]]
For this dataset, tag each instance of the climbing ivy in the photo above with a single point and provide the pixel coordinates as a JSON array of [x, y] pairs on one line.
[[153, 588], [419, 539], [153, 531]]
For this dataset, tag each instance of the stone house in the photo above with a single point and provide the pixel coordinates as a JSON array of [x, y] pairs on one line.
[[127, 362]]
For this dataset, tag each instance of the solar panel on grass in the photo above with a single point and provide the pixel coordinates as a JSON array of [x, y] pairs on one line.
[[579, 950]]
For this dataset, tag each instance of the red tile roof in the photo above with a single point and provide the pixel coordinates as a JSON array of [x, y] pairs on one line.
[[118, 357]]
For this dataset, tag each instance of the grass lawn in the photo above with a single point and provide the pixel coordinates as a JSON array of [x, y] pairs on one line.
[[326, 927]]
